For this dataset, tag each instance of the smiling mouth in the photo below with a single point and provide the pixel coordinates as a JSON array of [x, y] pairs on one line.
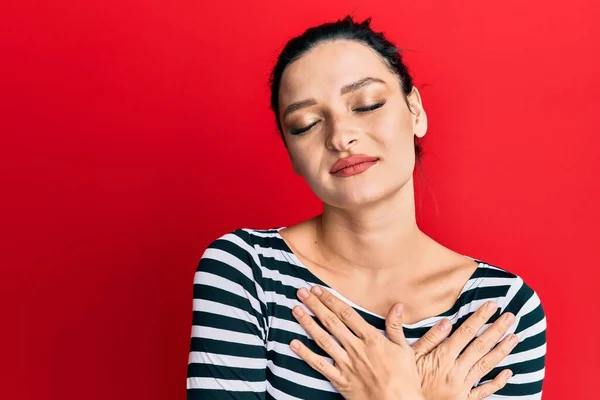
[[351, 162], [350, 166], [354, 168]]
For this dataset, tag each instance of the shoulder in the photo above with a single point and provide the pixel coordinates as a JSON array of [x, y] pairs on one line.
[[244, 242], [515, 295], [527, 359], [242, 248], [518, 292], [231, 264]]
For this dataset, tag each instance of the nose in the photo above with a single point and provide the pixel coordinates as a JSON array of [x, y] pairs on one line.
[[342, 134]]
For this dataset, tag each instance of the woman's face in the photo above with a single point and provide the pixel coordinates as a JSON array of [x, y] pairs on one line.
[[339, 100]]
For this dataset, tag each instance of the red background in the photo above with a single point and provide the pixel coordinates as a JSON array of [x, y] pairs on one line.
[[135, 132]]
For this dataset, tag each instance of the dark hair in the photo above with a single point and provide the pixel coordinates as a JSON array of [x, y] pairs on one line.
[[344, 29]]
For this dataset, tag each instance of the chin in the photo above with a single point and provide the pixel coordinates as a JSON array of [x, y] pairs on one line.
[[353, 197]]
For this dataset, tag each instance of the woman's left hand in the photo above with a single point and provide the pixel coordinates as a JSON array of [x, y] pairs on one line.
[[367, 364]]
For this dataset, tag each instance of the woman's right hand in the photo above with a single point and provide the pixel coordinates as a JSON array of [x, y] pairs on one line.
[[448, 375]]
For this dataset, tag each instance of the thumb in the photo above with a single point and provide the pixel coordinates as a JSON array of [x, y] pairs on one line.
[[393, 324]]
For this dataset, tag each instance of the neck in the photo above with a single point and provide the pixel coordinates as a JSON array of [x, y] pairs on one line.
[[378, 237]]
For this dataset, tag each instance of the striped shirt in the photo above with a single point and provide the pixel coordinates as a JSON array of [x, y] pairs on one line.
[[244, 291]]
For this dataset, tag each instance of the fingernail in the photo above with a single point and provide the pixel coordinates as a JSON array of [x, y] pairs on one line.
[[317, 290], [295, 344], [513, 340], [399, 309], [509, 318], [507, 374], [490, 305], [445, 325], [298, 311], [303, 293]]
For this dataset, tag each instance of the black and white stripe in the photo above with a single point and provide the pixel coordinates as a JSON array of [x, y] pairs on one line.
[[244, 291]]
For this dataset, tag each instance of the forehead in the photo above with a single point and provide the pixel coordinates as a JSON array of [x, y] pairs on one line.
[[327, 67]]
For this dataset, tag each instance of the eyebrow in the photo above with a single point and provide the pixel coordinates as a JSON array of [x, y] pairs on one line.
[[344, 90]]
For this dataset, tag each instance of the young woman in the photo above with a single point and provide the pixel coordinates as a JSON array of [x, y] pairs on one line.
[[398, 315]]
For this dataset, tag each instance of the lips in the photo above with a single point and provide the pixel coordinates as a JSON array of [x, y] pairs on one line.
[[351, 161]]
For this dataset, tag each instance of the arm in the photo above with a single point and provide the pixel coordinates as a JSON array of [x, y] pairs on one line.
[[527, 359], [227, 357]]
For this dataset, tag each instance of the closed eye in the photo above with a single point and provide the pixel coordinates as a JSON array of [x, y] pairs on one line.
[[369, 108], [372, 107], [302, 130]]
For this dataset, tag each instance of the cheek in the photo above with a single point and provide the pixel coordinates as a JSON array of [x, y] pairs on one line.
[[394, 130], [403, 152], [305, 159], [395, 134]]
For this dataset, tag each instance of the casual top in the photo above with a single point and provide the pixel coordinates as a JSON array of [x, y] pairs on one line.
[[245, 289]]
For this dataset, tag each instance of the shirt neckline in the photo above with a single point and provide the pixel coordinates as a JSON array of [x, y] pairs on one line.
[[312, 279]]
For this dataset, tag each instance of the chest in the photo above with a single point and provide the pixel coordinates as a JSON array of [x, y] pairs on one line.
[[422, 298]]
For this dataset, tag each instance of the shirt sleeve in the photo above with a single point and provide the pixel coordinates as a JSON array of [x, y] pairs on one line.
[[527, 359], [227, 358]]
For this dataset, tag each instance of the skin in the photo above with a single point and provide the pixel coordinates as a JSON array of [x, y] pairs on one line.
[[367, 232], [367, 365]]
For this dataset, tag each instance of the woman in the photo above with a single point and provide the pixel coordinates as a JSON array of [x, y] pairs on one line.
[[398, 316]]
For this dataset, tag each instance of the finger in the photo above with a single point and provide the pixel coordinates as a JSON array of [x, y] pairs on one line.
[[323, 339], [393, 324], [316, 362], [484, 343], [491, 360], [488, 389], [345, 313], [329, 320], [432, 338], [469, 328]]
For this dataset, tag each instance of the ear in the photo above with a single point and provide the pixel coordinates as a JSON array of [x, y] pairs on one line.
[[418, 115]]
